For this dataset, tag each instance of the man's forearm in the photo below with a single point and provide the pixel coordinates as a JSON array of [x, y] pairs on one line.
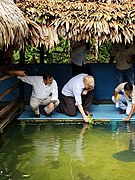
[[12, 71], [131, 112], [7, 70], [81, 110]]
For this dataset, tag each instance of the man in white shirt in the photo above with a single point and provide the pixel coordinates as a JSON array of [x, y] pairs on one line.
[[44, 91], [78, 92], [124, 99]]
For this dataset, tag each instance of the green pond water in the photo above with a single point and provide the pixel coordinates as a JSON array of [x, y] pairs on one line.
[[69, 152]]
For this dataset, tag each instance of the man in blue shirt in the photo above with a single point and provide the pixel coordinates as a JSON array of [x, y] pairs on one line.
[[78, 93]]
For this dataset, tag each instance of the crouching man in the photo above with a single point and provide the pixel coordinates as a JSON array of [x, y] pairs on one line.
[[124, 99], [44, 91], [78, 94]]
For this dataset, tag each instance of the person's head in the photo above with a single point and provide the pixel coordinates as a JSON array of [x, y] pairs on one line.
[[48, 78], [128, 87], [88, 82]]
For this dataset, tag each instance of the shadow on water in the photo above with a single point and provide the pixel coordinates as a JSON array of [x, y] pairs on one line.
[[83, 177], [129, 154], [55, 164], [10, 152]]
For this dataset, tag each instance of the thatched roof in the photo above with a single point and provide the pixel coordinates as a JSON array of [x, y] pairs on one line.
[[50, 20], [13, 27]]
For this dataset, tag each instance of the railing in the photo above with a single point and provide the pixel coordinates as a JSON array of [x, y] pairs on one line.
[[9, 109]]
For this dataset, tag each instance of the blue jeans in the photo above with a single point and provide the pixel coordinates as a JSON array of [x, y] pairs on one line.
[[123, 103], [122, 74]]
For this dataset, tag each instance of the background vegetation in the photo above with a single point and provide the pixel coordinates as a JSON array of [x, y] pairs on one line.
[[60, 54]]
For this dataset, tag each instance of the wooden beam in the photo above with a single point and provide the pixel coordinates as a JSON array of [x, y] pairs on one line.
[[9, 90], [8, 119], [42, 54], [7, 108], [22, 58], [21, 97], [5, 76]]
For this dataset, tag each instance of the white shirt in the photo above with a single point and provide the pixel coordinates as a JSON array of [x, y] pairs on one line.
[[74, 88], [39, 89]]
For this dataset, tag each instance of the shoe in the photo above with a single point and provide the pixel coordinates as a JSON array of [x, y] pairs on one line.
[[47, 114], [37, 115], [122, 112], [43, 112], [41, 109]]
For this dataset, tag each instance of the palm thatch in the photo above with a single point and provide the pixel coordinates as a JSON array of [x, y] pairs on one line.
[[50, 20], [13, 27]]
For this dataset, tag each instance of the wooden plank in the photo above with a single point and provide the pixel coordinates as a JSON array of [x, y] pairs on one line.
[[5, 76], [8, 119], [9, 90], [7, 108], [35, 120]]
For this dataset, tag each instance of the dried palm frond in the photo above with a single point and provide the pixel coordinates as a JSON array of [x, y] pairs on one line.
[[50, 20], [13, 27]]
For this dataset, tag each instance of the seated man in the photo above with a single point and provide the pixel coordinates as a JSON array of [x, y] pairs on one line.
[[125, 101], [44, 91], [78, 92]]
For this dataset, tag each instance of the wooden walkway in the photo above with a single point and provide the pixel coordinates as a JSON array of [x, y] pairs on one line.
[[101, 112]]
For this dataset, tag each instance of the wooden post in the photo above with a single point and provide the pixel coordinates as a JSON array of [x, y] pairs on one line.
[[21, 87], [96, 46], [22, 58], [42, 54]]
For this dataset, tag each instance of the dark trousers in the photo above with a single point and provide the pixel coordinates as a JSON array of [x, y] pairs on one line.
[[67, 105], [80, 69]]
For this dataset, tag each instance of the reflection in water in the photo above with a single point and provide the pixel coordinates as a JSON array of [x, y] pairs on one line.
[[68, 152], [129, 154], [78, 155], [79, 144], [38, 146]]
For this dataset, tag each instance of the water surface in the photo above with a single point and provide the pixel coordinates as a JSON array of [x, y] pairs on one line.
[[69, 152]]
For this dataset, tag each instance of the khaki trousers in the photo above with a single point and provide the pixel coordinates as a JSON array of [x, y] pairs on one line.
[[35, 103]]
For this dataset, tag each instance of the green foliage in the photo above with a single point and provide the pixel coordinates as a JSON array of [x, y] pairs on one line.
[[59, 54], [32, 55], [104, 53], [90, 120], [16, 57]]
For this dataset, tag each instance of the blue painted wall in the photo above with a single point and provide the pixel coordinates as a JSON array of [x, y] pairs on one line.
[[104, 74]]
